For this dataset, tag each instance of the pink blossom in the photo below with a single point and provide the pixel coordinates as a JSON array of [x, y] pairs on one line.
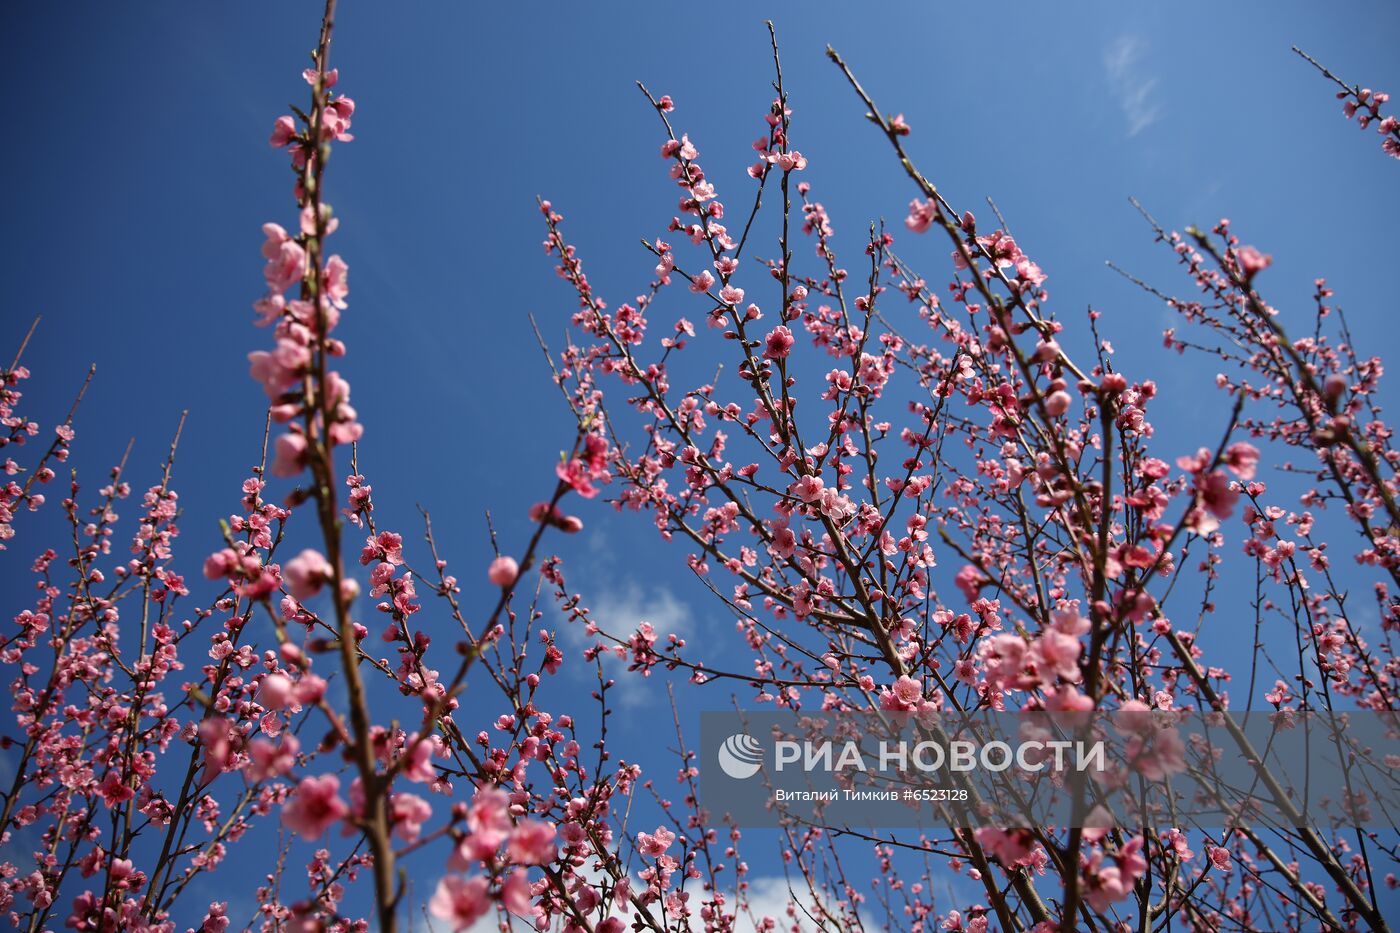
[[575, 474], [305, 574], [1057, 403], [220, 745], [1219, 858], [266, 760], [515, 893], [309, 689], [336, 281], [488, 823], [290, 455], [544, 512], [315, 806], [335, 119], [1107, 883], [808, 488], [531, 843], [503, 571], [654, 845], [970, 580], [921, 215], [778, 343], [1242, 458], [1252, 261], [460, 901], [286, 260], [275, 690], [114, 790], [219, 564], [1057, 654], [419, 765], [283, 132], [409, 812], [1011, 847], [906, 694], [1216, 500], [329, 79], [790, 161]]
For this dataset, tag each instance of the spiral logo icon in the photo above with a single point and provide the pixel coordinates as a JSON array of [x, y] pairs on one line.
[[740, 756]]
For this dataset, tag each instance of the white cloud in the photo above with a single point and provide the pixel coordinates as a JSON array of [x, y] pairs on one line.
[[618, 612], [770, 897], [766, 897], [1123, 64]]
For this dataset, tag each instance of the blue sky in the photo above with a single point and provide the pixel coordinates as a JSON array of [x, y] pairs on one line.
[[139, 175]]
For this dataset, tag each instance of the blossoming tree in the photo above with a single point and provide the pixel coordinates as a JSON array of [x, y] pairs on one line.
[[957, 516]]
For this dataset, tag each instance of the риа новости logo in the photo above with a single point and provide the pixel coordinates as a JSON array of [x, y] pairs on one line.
[[740, 756]]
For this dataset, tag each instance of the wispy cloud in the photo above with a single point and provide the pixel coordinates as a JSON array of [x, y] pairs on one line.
[[766, 896], [1123, 64], [618, 611]]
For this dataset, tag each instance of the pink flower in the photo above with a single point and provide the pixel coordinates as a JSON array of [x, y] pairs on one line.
[[1219, 858], [1012, 847], [283, 132], [113, 790], [409, 812], [532, 843], [315, 806], [503, 571], [654, 845], [220, 563], [784, 541], [274, 691], [419, 766], [515, 893], [335, 119], [217, 739], [779, 343], [266, 760], [808, 488], [460, 901], [216, 920], [1057, 403], [1216, 501], [305, 574], [290, 456], [337, 281], [921, 215], [578, 476], [331, 77], [790, 161], [1252, 261], [286, 260], [970, 580], [1334, 386], [907, 694], [544, 512], [1057, 654], [1108, 884], [279, 370], [702, 282], [1242, 459], [488, 825], [309, 689]]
